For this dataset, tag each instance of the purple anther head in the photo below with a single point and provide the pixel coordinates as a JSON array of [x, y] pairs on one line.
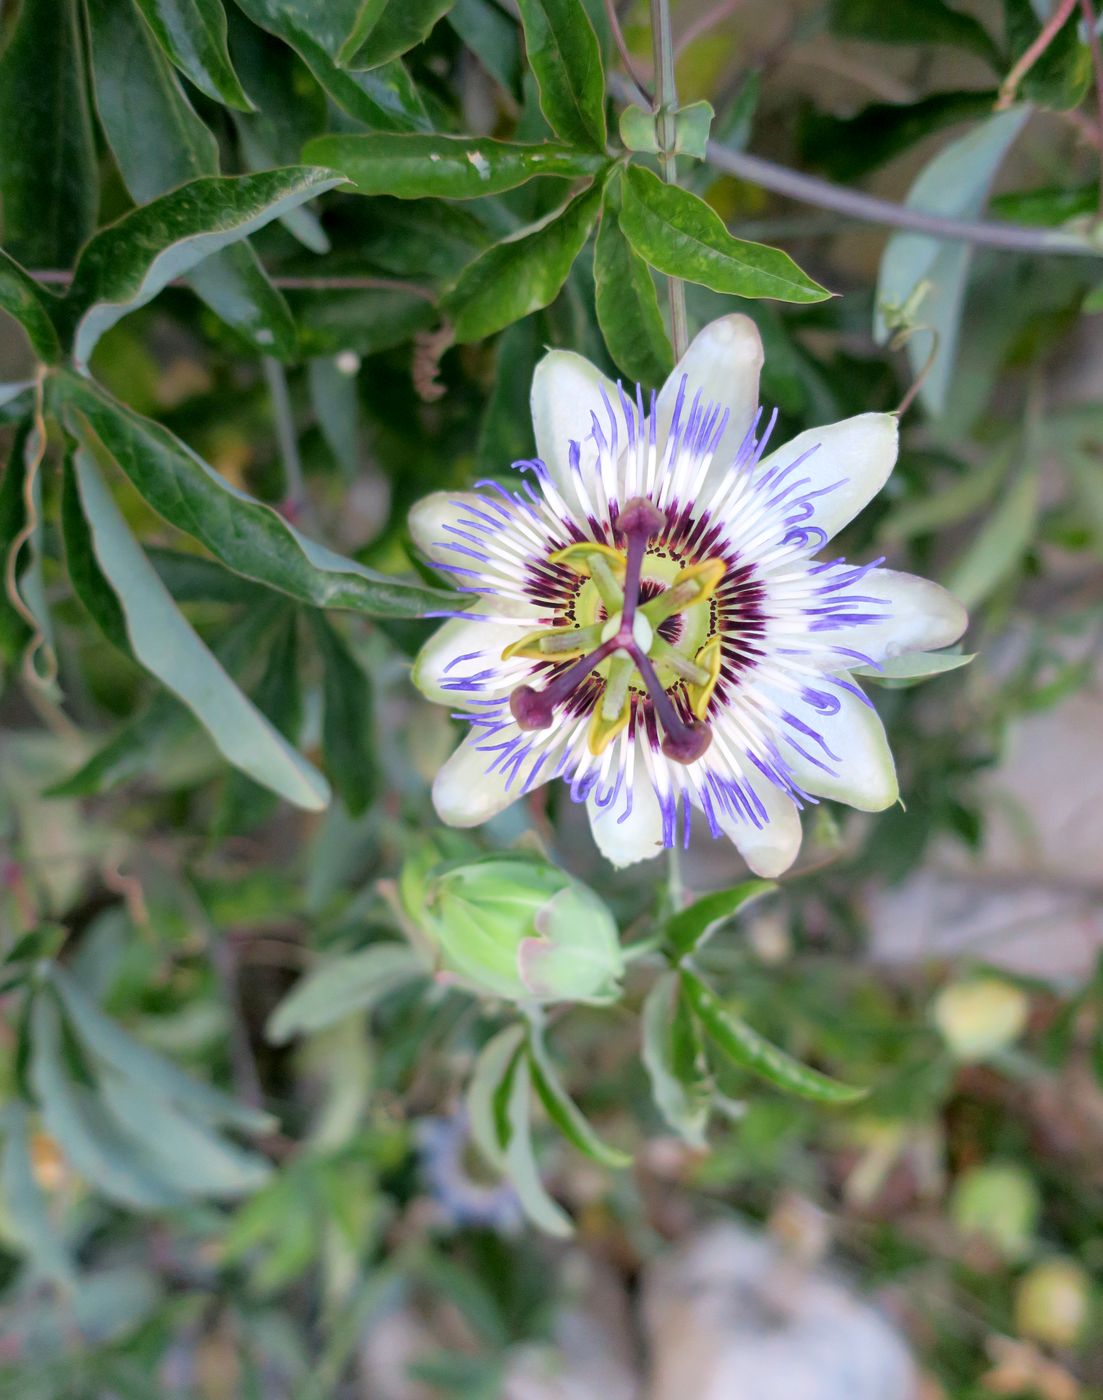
[[687, 742], [532, 709], [640, 517]]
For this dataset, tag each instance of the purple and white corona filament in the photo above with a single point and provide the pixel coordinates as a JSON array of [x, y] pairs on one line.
[[649, 620]]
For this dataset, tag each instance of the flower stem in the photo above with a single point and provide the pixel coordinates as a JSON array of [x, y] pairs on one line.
[[666, 100]]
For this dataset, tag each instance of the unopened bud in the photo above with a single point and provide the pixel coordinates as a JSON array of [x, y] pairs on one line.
[[1000, 1203], [1052, 1302], [517, 928]]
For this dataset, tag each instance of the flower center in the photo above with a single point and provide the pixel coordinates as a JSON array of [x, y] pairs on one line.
[[627, 641]]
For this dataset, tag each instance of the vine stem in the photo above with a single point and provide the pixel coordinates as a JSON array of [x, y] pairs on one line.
[[666, 100]]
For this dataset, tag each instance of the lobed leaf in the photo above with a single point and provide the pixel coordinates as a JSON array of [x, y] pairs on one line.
[[342, 987], [27, 1215], [126, 264], [520, 1158], [107, 1042], [751, 1051], [22, 298], [389, 31], [419, 166], [689, 928], [954, 183], [912, 22], [679, 234], [489, 1083], [565, 58], [193, 34], [48, 177], [348, 740], [523, 273], [1003, 540], [86, 1135], [562, 1110], [249, 538], [673, 1057], [626, 302], [164, 642]]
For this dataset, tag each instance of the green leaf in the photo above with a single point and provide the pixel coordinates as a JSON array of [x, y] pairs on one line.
[[1003, 540], [247, 537], [915, 666], [523, 273], [688, 929], [129, 262], [911, 22], [193, 34], [342, 987], [89, 585], [141, 744], [417, 166], [335, 400], [363, 321], [692, 125], [674, 1059], [183, 1153], [395, 30], [106, 1042], [846, 148], [565, 59], [348, 739], [27, 1215], [159, 142], [164, 642], [750, 1051], [385, 99], [520, 1159], [21, 297], [48, 178], [86, 1135], [492, 37], [278, 696], [679, 234], [639, 130], [505, 433], [1060, 77], [563, 1112], [956, 184], [488, 1085], [626, 302]]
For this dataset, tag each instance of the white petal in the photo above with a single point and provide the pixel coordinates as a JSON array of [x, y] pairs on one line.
[[769, 850], [640, 835], [723, 362], [923, 617], [566, 390], [461, 649], [466, 794], [865, 775], [853, 458], [428, 518]]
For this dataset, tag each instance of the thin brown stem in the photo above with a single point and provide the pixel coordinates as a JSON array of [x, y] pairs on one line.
[[625, 53], [1046, 35], [1096, 48]]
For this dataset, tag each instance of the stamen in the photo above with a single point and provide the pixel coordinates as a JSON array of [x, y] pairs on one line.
[[682, 742], [533, 709]]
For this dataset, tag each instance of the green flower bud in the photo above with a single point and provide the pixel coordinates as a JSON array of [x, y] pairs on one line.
[[515, 928], [980, 1016], [1052, 1302], [1000, 1203]]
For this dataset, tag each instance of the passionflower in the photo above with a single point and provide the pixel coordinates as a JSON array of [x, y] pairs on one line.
[[649, 620]]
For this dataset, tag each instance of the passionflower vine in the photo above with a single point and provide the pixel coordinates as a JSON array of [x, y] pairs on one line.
[[649, 620]]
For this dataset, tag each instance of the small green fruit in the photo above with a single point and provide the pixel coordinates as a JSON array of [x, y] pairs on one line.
[[980, 1016], [1052, 1302]]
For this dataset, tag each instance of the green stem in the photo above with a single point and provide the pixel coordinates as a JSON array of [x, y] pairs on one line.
[[666, 100]]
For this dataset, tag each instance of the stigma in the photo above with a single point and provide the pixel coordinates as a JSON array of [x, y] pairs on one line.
[[628, 641]]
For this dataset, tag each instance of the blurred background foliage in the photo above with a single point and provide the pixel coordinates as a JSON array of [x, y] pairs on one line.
[[234, 1150]]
